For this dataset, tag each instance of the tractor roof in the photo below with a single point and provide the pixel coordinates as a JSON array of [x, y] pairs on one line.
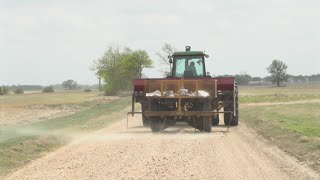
[[188, 53]]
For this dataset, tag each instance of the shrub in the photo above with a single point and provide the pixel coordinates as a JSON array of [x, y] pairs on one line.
[[110, 90], [48, 89], [18, 90], [87, 90], [4, 90]]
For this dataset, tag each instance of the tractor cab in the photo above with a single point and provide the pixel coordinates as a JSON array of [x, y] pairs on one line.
[[188, 63]]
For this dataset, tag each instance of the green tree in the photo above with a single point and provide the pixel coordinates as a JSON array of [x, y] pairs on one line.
[[18, 90], [5, 90], [119, 67], [243, 79], [278, 71], [70, 84], [141, 60]]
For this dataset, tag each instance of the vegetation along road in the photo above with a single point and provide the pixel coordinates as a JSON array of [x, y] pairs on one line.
[[178, 153], [273, 141]]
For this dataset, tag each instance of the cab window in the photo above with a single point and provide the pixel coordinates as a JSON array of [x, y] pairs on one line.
[[189, 67]]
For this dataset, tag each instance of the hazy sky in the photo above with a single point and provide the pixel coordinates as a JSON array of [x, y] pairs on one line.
[[46, 42]]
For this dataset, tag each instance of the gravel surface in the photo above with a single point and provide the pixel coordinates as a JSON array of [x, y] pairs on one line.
[[177, 153]]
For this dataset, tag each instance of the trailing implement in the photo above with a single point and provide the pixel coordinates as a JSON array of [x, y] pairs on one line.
[[189, 94]]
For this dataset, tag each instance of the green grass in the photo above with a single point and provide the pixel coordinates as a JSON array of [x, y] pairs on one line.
[[302, 119], [46, 98], [21, 143], [288, 90], [249, 94], [21, 150], [295, 128], [276, 98]]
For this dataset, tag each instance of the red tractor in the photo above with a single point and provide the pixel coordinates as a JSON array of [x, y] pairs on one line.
[[189, 94]]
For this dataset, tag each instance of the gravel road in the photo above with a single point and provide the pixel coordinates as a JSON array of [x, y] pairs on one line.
[[177, 153]]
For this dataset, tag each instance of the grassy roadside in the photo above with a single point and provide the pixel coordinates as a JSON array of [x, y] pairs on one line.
[[295, 128], [277, 98], [249, 94], [46, 98], [20, 144]]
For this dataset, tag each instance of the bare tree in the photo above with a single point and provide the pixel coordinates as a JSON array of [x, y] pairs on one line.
[[166, 50]]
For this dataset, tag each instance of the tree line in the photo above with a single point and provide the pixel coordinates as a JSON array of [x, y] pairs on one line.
[[66, 85], [119, 66], [245, 79]]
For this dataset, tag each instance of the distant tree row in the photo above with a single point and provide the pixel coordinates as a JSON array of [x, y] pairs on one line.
[[277, 70], [245, 79], [4, 90], [25, 87], [278, 76], [118, 67], [67, 85], [304, 79]]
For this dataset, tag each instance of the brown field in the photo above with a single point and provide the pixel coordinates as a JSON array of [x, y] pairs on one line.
[[37, 106]]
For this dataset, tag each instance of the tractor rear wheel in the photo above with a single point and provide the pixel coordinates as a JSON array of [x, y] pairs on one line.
[[215, 120], [234, 119], [155, 125], [203, 124], [158, 124], [207, 123], [145, 121]]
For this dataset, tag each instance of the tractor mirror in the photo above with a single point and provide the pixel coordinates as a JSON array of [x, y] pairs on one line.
[[170, 59], [207, 56]]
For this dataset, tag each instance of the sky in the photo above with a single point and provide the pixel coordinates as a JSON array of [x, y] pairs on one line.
[[45, 42]]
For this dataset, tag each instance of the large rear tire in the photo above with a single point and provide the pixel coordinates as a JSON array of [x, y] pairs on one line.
[[158, 124], [155, 125], [234, 119], [203, 124], [215, 120], [207, 124], [145, 121]]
